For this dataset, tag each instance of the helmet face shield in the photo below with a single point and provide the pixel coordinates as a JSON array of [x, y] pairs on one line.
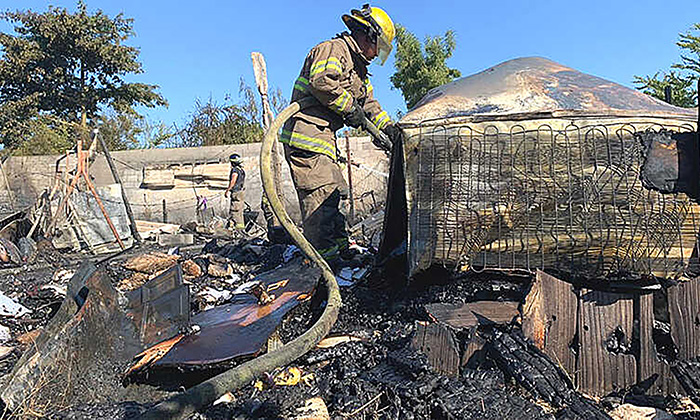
[[383, 49]]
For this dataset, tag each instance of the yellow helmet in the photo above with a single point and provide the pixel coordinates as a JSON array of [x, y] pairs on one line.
[[378, 25]]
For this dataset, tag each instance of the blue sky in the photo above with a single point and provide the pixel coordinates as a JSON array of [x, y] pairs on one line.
[[201, 49]]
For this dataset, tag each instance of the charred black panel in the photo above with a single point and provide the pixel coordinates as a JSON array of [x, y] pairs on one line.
[[392, 258], [671, 162]]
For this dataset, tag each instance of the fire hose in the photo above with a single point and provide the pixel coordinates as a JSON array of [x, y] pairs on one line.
[[204, 394]]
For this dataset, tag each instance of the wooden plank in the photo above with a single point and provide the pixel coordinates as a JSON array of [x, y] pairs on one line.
[[467, 315], [684, 309], [436, 341], [653, 371], [475, 344], [158, 178], [601, 370], [549, 319]]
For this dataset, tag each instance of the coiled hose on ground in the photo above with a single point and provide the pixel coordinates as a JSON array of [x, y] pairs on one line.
[[204, 394]]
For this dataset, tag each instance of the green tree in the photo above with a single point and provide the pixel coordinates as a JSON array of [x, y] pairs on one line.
[[68, 66], [212, 123], [120, 131], [683, 82], [420, 68], [683, 92]]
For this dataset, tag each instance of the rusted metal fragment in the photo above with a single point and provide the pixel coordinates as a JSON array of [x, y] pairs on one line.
[[549, 319], [466, 315], [191, 268], [606, 323], [154, 353], [161, 307], [671, 162], [79, 353], [241, 328], [684, 310], [654, 373], [534, 86], [437, 341]]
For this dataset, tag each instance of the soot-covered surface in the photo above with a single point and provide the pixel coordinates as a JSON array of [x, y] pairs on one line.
[[381, 375]]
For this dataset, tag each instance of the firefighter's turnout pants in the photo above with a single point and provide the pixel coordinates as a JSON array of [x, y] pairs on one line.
[[320, 185]]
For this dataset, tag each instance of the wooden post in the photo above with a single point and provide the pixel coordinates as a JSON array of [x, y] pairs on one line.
[[10, 195], [260, 71], [115, 174], [350, 194], [165, 212]]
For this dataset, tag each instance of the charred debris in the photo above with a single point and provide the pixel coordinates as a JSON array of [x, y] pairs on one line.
[[112, 339], [521, 273]]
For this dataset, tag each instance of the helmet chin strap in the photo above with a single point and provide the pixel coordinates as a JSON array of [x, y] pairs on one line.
[[362, 53]]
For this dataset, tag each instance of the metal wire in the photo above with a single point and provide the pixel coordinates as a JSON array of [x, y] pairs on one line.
[[567, 199]]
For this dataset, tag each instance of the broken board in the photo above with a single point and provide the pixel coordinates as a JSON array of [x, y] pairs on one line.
[[606, 323], [467, 315], [684, 309], [549, 319], [241, 328], [654, 374], [437, 342]]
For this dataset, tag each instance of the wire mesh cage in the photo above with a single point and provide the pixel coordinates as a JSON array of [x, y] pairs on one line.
[[563, 196]]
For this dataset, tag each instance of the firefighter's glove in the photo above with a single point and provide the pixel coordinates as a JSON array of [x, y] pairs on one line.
[[393, 132], [381, 145], [355, 117]]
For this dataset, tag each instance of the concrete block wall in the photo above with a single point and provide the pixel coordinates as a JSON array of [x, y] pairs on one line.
[[200, 175]]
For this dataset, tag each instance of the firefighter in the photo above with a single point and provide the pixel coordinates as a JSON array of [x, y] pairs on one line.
[[236, 188], [335, 73]]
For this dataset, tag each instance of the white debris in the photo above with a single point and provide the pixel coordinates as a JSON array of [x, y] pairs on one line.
[[5, 334], [58, 290], [244, 288], [358, 248], [233, 279], [226, 398], [213, 296], [62, 276], [5, 351], [9, 307]]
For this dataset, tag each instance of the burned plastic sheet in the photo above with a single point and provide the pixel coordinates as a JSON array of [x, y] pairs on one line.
[[241, 328]]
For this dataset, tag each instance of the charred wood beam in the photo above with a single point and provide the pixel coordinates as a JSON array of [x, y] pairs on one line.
[[532, 369]]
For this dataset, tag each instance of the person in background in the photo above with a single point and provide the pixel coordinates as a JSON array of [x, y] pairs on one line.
[[236, 188]]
